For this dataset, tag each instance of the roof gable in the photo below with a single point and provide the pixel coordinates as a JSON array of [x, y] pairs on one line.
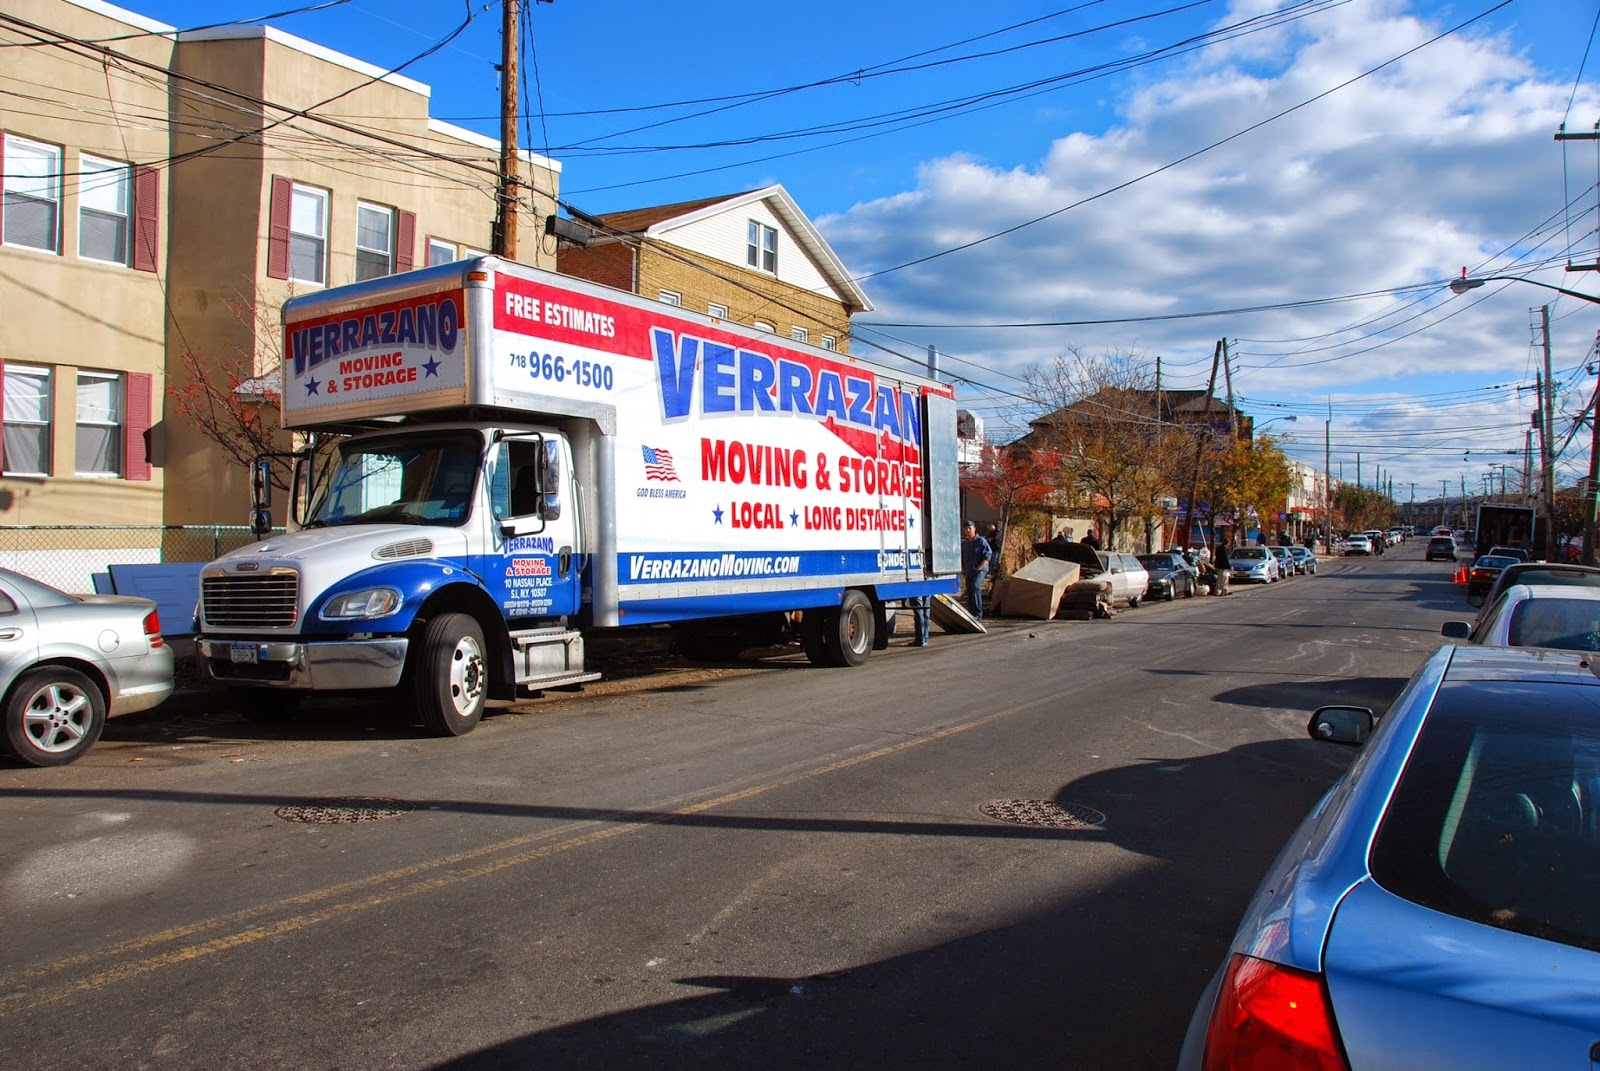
[[660, 221]]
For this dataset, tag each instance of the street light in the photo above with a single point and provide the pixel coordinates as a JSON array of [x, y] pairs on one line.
[[1470, 282], [1257, 427]]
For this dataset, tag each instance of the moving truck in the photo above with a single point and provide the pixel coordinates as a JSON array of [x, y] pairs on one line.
[[1501, 524], [513, 457]]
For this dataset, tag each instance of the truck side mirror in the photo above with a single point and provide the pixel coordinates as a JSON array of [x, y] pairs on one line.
[[260, 484], [260, 497]]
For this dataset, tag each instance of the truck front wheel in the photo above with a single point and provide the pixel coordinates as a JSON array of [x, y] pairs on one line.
[[450, 680]]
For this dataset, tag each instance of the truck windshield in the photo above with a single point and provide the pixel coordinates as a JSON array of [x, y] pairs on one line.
[[411, 479]]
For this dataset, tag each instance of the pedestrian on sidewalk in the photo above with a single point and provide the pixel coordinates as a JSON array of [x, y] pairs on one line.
[[1220, 562], [976, 555]]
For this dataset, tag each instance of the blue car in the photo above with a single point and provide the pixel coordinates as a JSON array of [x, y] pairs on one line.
[[1440, 907]]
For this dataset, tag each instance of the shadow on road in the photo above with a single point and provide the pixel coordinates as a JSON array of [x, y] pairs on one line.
[[1103, 980], [1375, 693]]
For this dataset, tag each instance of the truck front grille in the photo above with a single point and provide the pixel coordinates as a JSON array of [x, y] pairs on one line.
[[249, 600]]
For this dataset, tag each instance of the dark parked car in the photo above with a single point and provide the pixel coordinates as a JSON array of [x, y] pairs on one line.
[[1437, 908], [1440, 549], [1484, 572], [1542, 573], [1171, 577]]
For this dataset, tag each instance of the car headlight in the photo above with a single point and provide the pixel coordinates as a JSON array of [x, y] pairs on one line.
[[372, 602]]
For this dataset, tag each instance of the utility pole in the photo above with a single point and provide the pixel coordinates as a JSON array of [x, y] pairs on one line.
[[1548, 441], [1358, 468], [1327, 477], [1591, 493], [1227, 375], [510, 192], [1444, 500], [1200, 437]]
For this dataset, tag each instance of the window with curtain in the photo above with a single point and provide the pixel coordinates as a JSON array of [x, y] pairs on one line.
[[103, 209], [27, 420], [99, 447], [32, 194], [308, 235], [374, 242]]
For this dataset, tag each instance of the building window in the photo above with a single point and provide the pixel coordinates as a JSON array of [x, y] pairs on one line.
[[441, 252], [829, 342], [467, 252], [103, 210], [374, 242], [308, 235], [99, 450], [27, 421], [671, 297], [799, 334], [32, 195], [761, 247], [719, 311]]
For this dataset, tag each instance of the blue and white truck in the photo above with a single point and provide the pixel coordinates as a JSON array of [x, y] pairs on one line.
[[517, 457]]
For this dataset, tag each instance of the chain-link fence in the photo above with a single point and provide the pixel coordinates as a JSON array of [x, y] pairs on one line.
[[68, 556]]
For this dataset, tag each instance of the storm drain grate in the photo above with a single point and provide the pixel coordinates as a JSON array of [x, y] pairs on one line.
[[344, 810], [1043, 813]]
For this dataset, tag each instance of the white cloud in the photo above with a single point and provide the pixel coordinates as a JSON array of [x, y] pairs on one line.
[[1441, 160]]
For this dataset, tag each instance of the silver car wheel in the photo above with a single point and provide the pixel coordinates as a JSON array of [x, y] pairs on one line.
[[57, 717]]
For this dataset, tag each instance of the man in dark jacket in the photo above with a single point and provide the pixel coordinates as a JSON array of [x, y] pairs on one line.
[[976, 554], [1223, 566]]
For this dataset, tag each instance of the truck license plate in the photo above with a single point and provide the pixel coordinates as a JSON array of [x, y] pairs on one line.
[[244, 652]]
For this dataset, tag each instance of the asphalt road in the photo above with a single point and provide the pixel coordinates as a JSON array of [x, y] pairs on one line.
[[773, 866]]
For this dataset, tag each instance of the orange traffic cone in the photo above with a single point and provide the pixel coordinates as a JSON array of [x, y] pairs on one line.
[[1461, 574]]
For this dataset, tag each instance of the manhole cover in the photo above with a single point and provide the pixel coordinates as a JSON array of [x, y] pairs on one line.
[[344, 810], [1043, 813]]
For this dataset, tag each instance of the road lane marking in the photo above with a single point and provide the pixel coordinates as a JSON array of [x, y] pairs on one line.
[[19, 994]]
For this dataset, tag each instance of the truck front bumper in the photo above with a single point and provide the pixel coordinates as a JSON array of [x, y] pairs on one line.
[[333, 665]]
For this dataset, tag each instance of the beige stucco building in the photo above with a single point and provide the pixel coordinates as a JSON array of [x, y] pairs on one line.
[[164, 193]]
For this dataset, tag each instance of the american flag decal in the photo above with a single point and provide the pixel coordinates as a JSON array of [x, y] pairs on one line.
[[658, 465]]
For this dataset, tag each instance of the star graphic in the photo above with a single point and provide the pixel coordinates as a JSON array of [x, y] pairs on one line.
[[430, 367], [911, 518], [311, 386], [794, 519], [717, 513]]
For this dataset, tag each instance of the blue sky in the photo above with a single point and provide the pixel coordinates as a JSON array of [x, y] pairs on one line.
[[1169, 174]]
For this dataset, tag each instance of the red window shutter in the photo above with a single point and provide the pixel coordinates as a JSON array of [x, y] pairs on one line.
[[405, 242], [278, 228], [146, 217], [136, 447]]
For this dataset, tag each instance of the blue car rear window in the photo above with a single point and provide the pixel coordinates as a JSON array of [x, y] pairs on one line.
[[1496, 818]]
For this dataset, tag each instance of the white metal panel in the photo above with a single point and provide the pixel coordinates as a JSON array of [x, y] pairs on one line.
[[724, 235]]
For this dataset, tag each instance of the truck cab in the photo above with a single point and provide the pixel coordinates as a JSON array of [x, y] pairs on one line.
[[461, 537]]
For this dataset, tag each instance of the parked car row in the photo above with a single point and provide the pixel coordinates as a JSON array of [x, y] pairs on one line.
[[1436, 907]]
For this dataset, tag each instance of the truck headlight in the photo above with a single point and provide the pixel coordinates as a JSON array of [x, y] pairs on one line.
[[373, 602]]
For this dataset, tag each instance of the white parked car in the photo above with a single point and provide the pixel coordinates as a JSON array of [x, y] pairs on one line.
[[1253, 564], [1535, 615], [1356, 544]]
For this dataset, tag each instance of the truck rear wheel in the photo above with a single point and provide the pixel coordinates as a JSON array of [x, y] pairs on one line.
[[849, 635], [450, 679], [814, 623]]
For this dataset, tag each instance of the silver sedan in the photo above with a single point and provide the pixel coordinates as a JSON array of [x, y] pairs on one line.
[[1535, 615], [67, 662]]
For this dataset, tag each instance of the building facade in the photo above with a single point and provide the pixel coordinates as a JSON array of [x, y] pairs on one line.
[[164, 193], [752, 258]]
